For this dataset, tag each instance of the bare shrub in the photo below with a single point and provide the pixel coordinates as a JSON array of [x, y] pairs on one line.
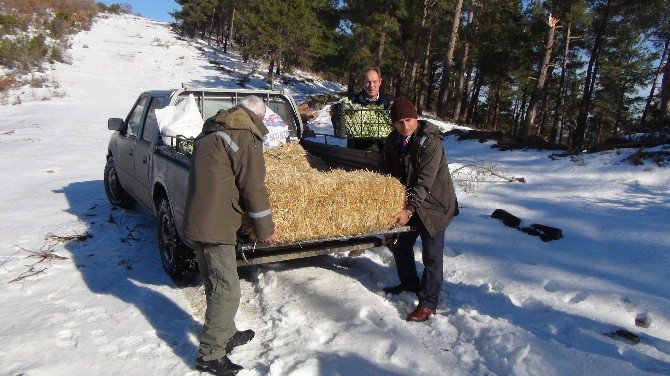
[[472, 176], [12, 23], [8, 51], [49, 22], [7, 81]]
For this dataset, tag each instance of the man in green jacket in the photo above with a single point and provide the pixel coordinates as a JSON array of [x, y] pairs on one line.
[[413, 153], [226, 179]]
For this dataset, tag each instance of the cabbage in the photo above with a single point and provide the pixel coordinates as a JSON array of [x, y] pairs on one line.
[[371, 121]]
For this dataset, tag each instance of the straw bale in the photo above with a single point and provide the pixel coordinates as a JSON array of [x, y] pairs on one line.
[[310, 203]]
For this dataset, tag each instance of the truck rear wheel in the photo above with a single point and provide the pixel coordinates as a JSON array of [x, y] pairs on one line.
[[116, 195], [177, 258]]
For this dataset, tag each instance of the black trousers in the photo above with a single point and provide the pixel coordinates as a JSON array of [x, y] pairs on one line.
[[430, 284]]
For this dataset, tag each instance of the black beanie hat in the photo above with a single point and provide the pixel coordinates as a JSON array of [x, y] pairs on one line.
[[402, 109]]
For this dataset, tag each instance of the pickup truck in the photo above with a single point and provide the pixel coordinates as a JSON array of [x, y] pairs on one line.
[[142, 169]]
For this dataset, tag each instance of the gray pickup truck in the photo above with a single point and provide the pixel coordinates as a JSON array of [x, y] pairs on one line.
[[143, 169]]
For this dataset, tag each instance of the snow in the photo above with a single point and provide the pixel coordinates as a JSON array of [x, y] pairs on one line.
[[511, 304]]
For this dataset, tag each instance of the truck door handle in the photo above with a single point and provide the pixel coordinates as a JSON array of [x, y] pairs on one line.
[[131, 153], [144, 159]]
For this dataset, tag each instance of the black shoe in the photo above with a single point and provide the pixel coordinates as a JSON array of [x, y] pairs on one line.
[[395, 290], [222, 366], [238, 339]]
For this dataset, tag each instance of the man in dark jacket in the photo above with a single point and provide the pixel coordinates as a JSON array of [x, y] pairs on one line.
[[226, 179], [414, 154], [370, 95]]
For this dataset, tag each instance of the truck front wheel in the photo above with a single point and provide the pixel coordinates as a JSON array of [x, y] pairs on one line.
[[177, 258], [116, 195]]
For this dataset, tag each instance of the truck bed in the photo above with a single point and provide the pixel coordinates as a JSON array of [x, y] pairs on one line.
[[342, 157]]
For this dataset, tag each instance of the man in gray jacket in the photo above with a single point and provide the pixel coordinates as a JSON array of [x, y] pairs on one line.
[[226, 179], [414, 154]]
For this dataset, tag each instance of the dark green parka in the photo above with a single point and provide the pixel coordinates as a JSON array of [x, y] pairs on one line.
[[425, 174], [226, 179]]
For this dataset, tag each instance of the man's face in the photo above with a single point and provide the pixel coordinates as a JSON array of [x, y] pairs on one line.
[[406, 126], [371, 83]]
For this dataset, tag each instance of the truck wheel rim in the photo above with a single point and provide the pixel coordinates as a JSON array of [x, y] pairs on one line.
[[167, 239], [113, 182]]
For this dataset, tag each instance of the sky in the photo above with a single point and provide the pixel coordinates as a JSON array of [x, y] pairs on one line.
[[154, 9]]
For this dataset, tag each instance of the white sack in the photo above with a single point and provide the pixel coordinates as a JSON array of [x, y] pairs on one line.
[[278, 133], [181, 119]]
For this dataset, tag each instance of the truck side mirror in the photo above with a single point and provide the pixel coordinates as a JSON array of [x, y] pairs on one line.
[[116, 124]]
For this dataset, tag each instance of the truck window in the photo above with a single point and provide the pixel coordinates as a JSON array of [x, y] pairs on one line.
[[135, 117], [212, 105], [151, 124], [281, 108]]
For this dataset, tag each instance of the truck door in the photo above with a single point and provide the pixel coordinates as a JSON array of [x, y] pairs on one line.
[[124, 158], [143, 153]]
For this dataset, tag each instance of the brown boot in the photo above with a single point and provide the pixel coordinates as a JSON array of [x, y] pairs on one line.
[[420, 314]]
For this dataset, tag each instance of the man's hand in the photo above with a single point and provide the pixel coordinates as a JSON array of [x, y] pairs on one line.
[[401, 218], [274, 238]]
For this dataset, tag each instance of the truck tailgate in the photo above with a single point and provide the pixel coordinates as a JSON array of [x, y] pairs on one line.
[[341, 157]]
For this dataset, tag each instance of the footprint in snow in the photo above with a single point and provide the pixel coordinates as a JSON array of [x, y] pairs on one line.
[[99, 337], [67, 340], [551, 286], [576, 298], [372, 318], [384, 351]]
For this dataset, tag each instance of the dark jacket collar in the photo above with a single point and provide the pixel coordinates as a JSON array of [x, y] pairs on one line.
[[424, 129], [235, 118]]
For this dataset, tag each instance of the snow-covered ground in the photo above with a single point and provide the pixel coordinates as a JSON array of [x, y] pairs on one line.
[[511, 304]]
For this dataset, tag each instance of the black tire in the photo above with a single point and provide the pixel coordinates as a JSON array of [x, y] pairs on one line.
[[177, 258], [116, 195]]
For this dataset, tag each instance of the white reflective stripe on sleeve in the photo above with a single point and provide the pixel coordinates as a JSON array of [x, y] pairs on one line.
[[262, 214], [229, 140]]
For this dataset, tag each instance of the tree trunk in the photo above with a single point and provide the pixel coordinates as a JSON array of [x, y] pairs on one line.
[[463, 63], [382, 42], [561, 85], [619, 109], [413, 84], [397, 88], [424, 71], [516, 107], [643, 119], [544, 108], [490, 101], [351, 84], [474, 100], [664, 109], [522, 111], [448, 62], [496, 111], [599, 130], [585, 104], [466, 94], [538, 90], [229, 34], [431, 83], [271, 72]]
